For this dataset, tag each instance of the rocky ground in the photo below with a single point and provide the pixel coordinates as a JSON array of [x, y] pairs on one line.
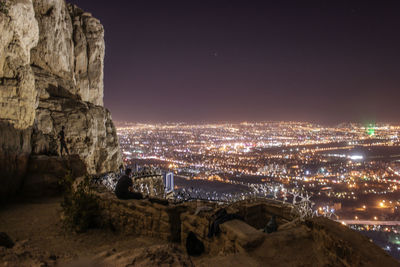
[[40, 240]]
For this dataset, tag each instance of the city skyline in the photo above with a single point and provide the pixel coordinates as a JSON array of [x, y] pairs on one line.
[[326, 62], [368, 125], [349, 172]]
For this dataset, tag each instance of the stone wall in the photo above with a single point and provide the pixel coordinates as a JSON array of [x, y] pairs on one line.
[[139, 217], [315, 242], [173, 222], [254, 213]]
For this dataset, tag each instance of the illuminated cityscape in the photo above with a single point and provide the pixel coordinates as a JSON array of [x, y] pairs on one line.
[[351, 171], [199, 133]]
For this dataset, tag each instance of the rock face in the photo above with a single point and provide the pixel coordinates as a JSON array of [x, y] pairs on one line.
[[89, 55], [51, 75], [15, 148], [19, 33], [44, 172], [55, 51], [89, 130], [71, 46]]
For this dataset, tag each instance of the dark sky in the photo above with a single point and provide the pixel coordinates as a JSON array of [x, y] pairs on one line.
[[326, 61]]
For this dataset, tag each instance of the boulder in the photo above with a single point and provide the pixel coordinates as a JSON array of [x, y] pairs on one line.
[[245, 236], [5, 240]]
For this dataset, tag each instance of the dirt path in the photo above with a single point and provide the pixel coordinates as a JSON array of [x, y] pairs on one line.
[[40, 239]]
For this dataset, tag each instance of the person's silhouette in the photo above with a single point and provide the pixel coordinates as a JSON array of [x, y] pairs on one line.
[[63, 145], [124, 187]]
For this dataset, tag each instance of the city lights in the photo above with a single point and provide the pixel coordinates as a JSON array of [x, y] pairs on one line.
[[348, 173]]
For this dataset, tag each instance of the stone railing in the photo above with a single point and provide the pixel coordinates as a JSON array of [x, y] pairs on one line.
[[324, 241], [173, 222]]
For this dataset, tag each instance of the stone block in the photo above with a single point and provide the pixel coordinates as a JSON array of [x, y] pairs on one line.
[[243, 234]]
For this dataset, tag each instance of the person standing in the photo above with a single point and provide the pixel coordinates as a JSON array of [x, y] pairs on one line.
[[63, 145]]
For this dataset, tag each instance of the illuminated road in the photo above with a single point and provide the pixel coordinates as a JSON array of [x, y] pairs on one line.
[[369, 222]]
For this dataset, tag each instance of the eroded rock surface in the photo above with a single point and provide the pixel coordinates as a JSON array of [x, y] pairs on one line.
[[19, 34], [89, 55], [55, 50], [51, 75], [44, 173], [71, 46], [89, 130]]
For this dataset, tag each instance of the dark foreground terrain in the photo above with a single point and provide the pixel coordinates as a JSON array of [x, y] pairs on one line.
[[40, 240]]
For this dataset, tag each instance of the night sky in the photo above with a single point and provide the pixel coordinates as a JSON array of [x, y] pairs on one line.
[[323, 61]]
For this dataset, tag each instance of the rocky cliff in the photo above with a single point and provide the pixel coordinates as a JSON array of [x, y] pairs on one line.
[[51, 75]]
